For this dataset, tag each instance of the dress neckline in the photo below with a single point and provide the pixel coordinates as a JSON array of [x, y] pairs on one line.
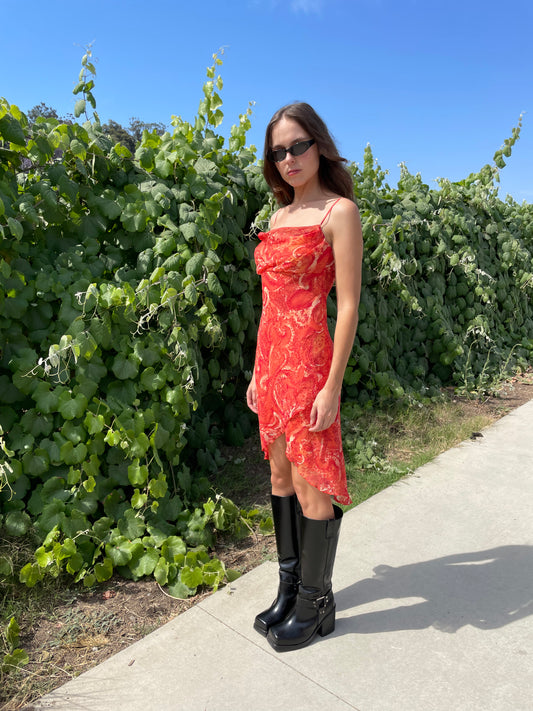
[[297, 227]]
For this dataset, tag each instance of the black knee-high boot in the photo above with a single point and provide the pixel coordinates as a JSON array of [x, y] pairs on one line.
[[284, 514], [314, 611]]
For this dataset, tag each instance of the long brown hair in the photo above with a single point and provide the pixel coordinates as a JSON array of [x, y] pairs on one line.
[[332, 173]]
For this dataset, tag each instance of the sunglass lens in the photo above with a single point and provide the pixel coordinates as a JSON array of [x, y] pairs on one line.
[[300, 148]]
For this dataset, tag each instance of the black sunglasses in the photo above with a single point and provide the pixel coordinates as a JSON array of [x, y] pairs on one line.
[[278, 154]]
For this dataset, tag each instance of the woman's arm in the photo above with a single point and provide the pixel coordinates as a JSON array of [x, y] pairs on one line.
[[343, 230]]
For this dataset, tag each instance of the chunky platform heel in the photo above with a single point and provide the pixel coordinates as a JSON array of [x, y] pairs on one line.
[[328, 625]]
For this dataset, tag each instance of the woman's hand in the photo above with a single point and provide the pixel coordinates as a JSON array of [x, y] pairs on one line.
[[324, 410], [251, 396]]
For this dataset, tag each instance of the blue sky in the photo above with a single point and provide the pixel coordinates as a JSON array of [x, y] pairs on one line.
[[437, 85]]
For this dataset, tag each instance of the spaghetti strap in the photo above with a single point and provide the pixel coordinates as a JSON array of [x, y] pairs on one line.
[[274, 218], [330, 209]]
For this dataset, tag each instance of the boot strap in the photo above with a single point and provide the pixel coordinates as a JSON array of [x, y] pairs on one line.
[[322, 602], [318, 603]]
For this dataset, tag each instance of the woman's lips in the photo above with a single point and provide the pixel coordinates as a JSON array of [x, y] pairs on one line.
[[292, 172]]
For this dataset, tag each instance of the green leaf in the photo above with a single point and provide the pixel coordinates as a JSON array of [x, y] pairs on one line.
[[17, 658], [94, 423], [137, 473], [15, 227], [75, 563], [158, 487], [173, 547], [267, 526], [138, 500], [21, 442], [191, 577], [145, 564], [52, 515], [89, 484], [160, 436], [120, 552], [104, 570], [31, 574], [179, 590], [140, 445], [109, 208], [145, 156], [36, 424], [122, 391], [131, 525], [78, 148], [36, 463], [71, 454], [112, 438], [11, 130], [79, 107], [17, 523], [12, 633], [125, 368], [134, 219], [214, 285], [67, 550], [6, 566], [152, 380], [52, 535], [72, 407], [232, 574], [44, 557], [213, 573], [161, 571], [189, 230], [163, 167], [149, 354], [72, 432], [89, 580], [194, 265]]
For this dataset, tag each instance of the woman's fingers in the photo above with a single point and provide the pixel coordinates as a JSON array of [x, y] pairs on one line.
[[323, 412], [251, 397]]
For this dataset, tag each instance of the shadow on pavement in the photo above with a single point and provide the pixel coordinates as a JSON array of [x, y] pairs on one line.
[[486, 589]]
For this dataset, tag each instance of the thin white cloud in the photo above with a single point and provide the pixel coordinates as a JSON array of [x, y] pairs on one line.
[[307, 6]]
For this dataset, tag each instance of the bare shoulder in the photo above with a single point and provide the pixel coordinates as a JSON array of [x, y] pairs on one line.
[[346, 209], [344, 222]]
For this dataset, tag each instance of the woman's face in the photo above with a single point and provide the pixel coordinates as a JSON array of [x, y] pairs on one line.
[[295, 170]]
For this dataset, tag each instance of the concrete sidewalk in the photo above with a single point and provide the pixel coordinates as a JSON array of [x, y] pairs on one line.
[[434, 590]]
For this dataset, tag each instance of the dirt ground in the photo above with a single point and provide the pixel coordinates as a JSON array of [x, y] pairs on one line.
[[90, 626]]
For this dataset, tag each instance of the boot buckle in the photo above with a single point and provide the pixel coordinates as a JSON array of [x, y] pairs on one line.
[[321, 603]]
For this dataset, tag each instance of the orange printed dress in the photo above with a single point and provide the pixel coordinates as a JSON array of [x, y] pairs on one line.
[[294, 352]]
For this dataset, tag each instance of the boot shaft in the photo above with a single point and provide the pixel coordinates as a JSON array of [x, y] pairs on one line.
[[318, 548], [286, 528]]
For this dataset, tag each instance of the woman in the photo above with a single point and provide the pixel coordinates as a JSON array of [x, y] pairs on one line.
[[314, 239]]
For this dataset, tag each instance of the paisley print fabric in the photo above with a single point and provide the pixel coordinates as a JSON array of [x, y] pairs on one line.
[[294, 351]]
